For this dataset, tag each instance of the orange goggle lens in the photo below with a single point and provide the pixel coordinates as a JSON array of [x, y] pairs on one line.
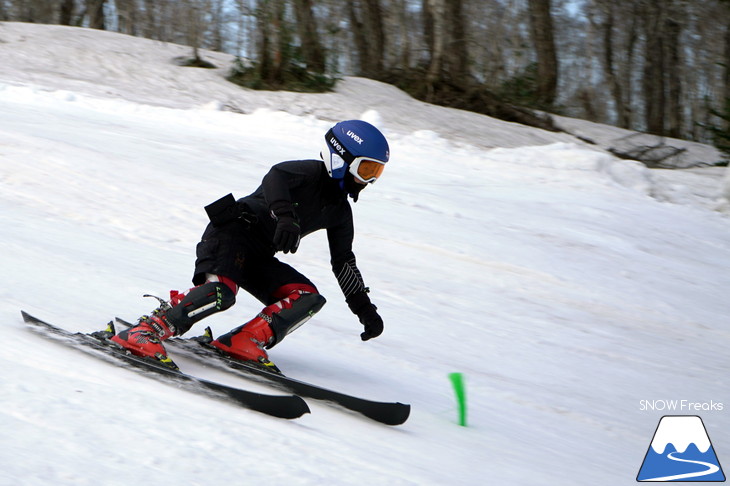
[[368, 170]]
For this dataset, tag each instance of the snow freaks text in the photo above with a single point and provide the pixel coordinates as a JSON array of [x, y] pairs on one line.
[[682, 406]]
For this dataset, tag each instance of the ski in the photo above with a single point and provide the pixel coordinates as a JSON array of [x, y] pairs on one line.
[[285, 406], [389, 413]]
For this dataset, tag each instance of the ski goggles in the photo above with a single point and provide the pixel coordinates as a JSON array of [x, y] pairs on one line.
[[366, 169]]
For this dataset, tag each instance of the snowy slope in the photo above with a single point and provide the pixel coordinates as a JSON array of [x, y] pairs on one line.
[[566, 285]]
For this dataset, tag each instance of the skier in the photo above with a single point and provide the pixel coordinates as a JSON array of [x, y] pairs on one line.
[[238, 247]]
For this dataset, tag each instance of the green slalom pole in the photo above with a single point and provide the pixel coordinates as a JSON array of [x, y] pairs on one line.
[[457, 380]]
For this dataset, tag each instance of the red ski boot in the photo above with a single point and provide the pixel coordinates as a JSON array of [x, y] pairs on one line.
[[145, 339], [247, 342], [175, 317]]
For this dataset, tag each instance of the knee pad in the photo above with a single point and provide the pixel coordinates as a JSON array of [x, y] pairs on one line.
[[199, 303], [286, 318]]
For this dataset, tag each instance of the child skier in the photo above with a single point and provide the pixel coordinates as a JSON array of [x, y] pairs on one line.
[[237, 250]]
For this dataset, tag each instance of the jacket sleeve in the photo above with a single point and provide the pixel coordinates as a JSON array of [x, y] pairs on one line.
[[344, 265]]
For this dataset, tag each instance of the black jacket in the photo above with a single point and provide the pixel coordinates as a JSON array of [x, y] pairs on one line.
[[319, 203]]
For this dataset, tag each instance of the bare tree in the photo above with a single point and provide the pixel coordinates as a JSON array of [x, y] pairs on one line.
[[66, 12], [626, 68], [337, 39], [616, 27], [673, 65], [653, 79], [312, 50], [490, 32], [216, 38], [457, 53], [541, 26], [661, 81], [149, 20], [434, 15], [374, 23], [606, 27], [194, 12], [244, 27], [402, 45], [95, 11], [445, 33], [273, 40], [35, 11], [366, 21], [128, 17], [726, 59]]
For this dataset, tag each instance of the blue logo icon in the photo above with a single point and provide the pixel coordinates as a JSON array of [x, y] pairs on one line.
[[681, 451]]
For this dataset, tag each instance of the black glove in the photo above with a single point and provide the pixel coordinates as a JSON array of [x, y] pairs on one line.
[[367, 313], [372, 321], [287, 235], [288, 232]]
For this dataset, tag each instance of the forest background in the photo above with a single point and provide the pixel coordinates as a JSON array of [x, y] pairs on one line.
[[655, 66]]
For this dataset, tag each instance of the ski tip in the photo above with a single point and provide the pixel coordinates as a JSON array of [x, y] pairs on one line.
[[303, 409], [393, 413], [404, 411], [387, 413]]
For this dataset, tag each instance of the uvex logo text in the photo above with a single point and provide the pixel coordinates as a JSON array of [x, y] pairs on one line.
[[337, 146], [355, 137]]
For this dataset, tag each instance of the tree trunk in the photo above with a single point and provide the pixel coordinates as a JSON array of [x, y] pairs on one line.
[[282, 52], [653, 85], [456, 52], [265, 65], [312, 50], [626, 119], [358, 32], [374, 25], [434, 12], [216, 21], [726, 56], [273, 41], [674, 85], [38, 11], [66, 14], [541, 26], [96, 14], [609, 64], [494, 67], [404, 33], [150, 20], [366, 20], [194, 16]]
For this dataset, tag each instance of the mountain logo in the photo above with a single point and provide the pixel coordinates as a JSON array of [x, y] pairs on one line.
[[681, 451]]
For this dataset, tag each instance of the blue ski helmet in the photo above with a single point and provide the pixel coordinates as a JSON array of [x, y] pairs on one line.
[[355, 146]]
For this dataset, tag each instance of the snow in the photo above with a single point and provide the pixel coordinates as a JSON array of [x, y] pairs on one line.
[[689, 430], [565, 284]]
